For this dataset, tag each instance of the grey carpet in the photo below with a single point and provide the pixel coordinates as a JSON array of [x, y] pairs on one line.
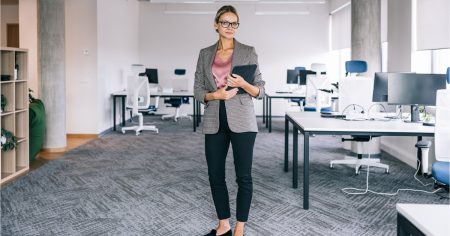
[[157, 184]]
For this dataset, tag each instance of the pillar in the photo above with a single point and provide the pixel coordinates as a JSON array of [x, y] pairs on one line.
[[52, 60]]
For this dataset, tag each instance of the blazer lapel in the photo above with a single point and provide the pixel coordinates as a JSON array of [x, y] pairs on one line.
[[236, 60], [210, 60]]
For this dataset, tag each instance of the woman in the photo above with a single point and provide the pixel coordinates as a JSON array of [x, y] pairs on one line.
[[228, 117]]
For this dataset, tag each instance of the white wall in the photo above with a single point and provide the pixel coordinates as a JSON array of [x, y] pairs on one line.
[[81, 67], [9, 15], [118, 48], [169, 41], [28, 34]]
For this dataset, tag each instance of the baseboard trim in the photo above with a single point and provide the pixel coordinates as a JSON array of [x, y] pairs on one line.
[[54, 150], [87, 136]]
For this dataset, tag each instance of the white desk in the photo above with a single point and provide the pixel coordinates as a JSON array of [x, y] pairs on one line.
[[423, 219], [123, 94], [311, 123], [267, 103]]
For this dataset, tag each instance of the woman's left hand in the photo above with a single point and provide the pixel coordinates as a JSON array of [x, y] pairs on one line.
[[236, 81]]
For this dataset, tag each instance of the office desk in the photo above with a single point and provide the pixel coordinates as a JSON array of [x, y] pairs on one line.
[[123, 95], [311, 123], [423, 219], [267, 104]]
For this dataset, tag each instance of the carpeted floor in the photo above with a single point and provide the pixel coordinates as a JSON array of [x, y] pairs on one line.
[[157, 184]]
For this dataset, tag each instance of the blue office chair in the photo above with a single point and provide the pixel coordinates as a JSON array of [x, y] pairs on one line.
[[315, 86], [176, 102], [441, 168], [355, 66], [352, 69]]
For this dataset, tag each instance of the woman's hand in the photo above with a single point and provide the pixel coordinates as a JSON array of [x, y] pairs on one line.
[[236, 81], [223, 94]]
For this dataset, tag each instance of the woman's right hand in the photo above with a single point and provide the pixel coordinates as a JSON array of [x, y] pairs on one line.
[[223, 94]]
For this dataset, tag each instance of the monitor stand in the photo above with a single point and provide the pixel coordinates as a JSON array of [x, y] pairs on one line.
[[415, 114]]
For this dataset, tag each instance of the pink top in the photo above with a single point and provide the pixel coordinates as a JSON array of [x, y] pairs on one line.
[[220, 70]]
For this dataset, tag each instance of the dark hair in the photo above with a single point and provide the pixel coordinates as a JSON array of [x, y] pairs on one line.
[[223, 10]]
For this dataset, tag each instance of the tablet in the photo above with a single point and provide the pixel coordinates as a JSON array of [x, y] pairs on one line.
[[247, 72]]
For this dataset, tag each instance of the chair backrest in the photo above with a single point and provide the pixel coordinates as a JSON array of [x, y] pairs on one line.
[[442, 127], [315, 82], [180, 82], [355, 90], [355, 66], [138, 93]]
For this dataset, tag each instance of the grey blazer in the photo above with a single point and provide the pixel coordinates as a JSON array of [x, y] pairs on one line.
[[240, 110]]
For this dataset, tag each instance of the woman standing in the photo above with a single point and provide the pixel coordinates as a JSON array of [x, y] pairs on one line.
[[228, 117]]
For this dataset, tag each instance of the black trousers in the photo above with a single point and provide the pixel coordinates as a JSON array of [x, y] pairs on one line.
[[216, 149]]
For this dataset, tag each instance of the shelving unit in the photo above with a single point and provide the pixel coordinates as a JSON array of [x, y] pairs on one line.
[[15, 116]]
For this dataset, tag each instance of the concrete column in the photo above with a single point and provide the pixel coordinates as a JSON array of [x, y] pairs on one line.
[[366, 33], [52, 59]]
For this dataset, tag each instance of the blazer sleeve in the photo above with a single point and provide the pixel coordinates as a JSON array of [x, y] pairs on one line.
[[200, 80], [258, 82]]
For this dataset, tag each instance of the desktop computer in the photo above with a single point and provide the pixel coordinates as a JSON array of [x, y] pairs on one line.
[[414, 90]]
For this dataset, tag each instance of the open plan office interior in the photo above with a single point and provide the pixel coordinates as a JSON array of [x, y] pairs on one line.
[[102, 133]]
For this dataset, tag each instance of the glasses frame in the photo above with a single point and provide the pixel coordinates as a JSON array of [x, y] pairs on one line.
[[227, 24]]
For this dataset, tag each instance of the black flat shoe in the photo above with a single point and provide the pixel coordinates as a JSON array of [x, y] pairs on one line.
[[214, 232]]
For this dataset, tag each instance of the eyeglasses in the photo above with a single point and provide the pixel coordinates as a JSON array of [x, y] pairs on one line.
[[226, 24]]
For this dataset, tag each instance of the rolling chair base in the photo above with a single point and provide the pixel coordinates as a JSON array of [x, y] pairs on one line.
[[138, 129], [176, 116], [375, 162]]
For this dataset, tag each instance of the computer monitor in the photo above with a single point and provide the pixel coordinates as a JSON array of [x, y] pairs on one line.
[[304, 73], [380, 87], [292, 77], [414, 89], [152, 75]]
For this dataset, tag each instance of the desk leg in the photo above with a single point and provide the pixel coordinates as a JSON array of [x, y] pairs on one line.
[[306, 171], [270, 115], [267, 112], [199, 115], [419, 157], [114, 113], [264, 109], [194, 114], [123, 111], [295, 158], [286, 144]]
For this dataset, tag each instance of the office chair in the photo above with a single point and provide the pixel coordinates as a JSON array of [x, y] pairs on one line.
[[138, 100], [355, 95], [298, 101], [440, 169], [316, 99], [176, 102]]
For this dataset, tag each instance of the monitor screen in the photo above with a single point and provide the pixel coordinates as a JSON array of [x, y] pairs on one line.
[[292, 77], [410, 89], [304, 73], [380, 87], [152, 75]]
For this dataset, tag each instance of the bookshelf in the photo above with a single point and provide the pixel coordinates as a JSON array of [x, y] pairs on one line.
[[14, 117]]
